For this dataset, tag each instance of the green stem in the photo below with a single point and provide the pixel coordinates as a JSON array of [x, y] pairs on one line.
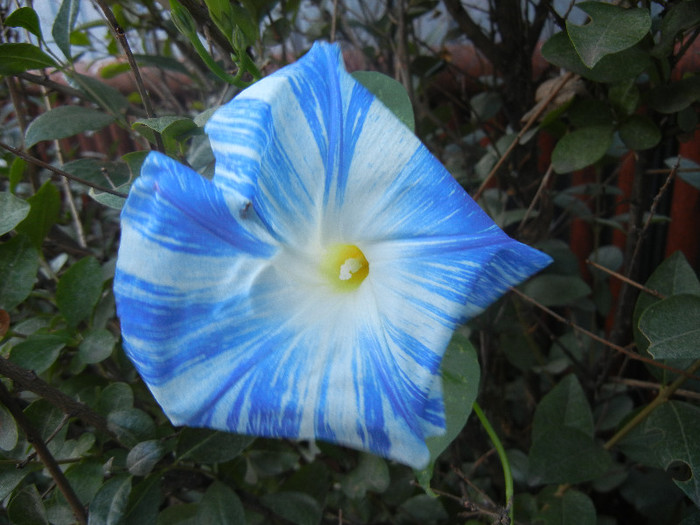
[[507, 474], [664, 394]]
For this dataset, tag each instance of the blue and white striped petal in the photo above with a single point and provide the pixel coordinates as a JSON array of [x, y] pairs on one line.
[[310, 289]]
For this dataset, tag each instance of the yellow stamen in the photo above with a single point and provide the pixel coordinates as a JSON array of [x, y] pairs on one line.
[[345, 266]]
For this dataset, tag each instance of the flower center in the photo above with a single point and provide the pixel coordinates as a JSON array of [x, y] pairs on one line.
[[345, 266]]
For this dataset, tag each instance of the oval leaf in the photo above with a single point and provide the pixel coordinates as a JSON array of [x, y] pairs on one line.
[[27, 508], [19, 262], [64, 23], [79, 289], [460, 382], [8, 429], [65, 121], [210, 446], [672, 327], [144, 456], [26, 18], [220, 505], [109, 504], [567, 455], [612, 68], [296, 507], [581, 148], [18, 58], [556, 290], [13, 210], [131, 426], [639, 133], [38, 352], [390, 92], [610, 30]]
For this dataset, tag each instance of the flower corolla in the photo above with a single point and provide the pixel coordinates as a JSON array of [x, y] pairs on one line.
[[310, 289]]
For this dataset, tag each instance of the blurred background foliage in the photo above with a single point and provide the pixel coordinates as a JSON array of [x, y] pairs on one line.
[[575, 126]]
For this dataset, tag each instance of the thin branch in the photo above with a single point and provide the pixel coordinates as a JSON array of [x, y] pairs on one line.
[[540, 190], [626, 279], [659, 400], [69, 91], [57, 171], [42, 451], [602, 340], [121, 38], [28, 380], [533, 118], [636, 383]]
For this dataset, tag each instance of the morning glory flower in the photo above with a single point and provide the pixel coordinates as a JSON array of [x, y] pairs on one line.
[[310, 289]]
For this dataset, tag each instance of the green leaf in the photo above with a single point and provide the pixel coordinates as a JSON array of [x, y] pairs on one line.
[[563, 406], [370, 475], [676, 96], [210, 446], [556, 290], [680, 17], [581, 148], [390, 92], [110, 200], [97, 346], [45, 207], [13, 210], [485, 105], [608, 256], [183, 514], [11, 477], [27, 508], [672, 327], [19, 262], [65, 121], [174, 127], [18, 58], [571, 508], [16, 172], [671, 433], [563, 448], [639, 132], [297, 507], [673, 276], [115, 396], [246, 25], [221, 14], [64, 24], [612, 68], [8, 430], [144, 502], [86, 479], [26, 18], [79, 289], [567, 455], [460, 382], [100, 93], [625, 96], [144, 456], [220, 506], [610, 30], [423, 508], [109, 505], [37, 352], [131, 426]]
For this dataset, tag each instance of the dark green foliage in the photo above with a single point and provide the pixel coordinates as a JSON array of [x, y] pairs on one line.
[[592, 434]]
